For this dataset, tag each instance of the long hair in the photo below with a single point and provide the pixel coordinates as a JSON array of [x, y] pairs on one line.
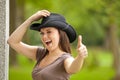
[[64, 42]]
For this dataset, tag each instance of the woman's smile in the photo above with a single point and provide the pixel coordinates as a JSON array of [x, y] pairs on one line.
[[48, 43], [50, 37]]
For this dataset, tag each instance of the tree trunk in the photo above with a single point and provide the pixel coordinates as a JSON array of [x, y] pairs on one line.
[[20, 12], [113, 38], [114, 47], [13, 55], [21, 18]]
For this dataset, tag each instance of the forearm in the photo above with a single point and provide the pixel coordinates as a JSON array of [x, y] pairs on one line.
[[18, 34], [76, 65]]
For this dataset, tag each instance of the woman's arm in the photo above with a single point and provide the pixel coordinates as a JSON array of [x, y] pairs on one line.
[[15, 40], [74, 65]]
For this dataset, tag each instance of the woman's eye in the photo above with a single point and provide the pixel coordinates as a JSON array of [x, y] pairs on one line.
[[41, 33], [49, 32]]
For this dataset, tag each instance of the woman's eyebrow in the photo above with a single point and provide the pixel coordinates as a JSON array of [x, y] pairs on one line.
[[48, 29]]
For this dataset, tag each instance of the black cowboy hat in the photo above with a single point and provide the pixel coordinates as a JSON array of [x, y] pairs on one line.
[[57, 21]]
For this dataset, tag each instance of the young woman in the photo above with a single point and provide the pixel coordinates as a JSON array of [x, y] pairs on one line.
[[53, 62]]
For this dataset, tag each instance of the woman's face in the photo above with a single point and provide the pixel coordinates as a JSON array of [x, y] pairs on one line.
[[50, 38]]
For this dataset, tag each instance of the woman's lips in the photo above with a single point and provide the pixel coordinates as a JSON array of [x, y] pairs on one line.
[[48, 42]]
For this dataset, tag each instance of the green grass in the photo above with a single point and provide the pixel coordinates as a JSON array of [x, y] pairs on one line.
[[100, 73], [20, 74], [23, 70], [97, 67]]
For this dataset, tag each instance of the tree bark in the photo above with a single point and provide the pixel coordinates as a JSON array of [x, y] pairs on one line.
[[113, 38], [13, 56], [114, 47]]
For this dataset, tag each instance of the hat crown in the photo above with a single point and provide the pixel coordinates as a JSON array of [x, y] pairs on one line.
[[53, 17]]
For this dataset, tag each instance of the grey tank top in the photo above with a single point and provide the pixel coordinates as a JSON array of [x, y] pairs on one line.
[[53, 71]]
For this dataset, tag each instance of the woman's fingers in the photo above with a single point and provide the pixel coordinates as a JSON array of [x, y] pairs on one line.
[[44, 13], [79, 41], [38, 15], [81, 48], [82, 51]]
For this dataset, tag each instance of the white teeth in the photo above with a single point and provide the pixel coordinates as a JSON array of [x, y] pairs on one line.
[[47, 41]]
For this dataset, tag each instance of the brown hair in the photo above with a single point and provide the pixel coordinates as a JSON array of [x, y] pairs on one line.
[[64, 42]]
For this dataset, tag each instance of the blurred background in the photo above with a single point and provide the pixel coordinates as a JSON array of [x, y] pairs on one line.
[[98, 21]]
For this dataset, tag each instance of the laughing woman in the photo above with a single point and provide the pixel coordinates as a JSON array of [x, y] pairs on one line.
[[54, 62]]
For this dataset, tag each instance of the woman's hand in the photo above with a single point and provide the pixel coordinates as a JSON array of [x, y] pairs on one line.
[[81, 48], [38, 15]]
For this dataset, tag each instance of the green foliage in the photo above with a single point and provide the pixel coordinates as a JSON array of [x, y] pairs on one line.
[[100, 73]]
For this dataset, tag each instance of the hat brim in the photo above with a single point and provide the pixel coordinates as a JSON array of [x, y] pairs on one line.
[[71, 33]]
